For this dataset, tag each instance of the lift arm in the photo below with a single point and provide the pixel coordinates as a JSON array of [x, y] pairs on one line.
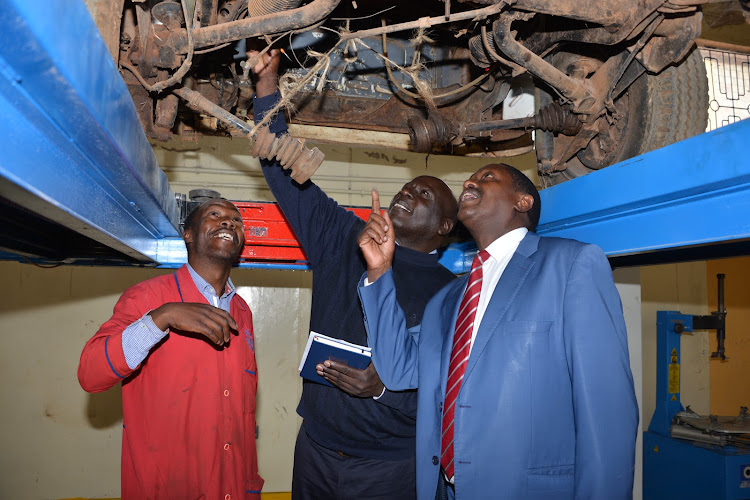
[[694, 192], [73, 150]]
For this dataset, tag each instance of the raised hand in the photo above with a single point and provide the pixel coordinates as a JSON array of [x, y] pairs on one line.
[[213, 323], [265, 70], [377, 241], [360, 383]]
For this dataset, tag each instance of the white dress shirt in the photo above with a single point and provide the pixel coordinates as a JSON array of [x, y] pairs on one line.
[[501, 250]]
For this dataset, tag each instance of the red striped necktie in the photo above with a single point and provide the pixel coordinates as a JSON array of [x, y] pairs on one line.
[[460, 357]]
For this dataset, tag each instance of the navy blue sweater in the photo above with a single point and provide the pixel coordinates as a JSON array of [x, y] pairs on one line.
[[380, 429]]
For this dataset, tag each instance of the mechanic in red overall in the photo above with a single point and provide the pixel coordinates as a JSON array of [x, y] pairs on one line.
[[182, 345]]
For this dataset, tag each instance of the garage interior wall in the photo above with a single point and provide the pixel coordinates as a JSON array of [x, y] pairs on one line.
[[60, 442], [729, 380]]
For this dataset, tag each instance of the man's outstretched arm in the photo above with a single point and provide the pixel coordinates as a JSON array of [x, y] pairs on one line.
[[320, 224], [394, 347]]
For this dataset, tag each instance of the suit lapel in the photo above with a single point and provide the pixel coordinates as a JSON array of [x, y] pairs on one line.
[[505, 292]]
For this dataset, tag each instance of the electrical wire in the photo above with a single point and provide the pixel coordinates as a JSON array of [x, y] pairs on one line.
[[211, 49], [363, 17], [51, 266]]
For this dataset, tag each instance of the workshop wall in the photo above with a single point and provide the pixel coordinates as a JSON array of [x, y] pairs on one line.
[[347, 175], [676, 287], [628, 282], [66, 443], [57, 441], [60, 442], [729, 379]]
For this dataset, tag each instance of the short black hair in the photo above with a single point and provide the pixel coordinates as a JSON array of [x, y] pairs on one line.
[[192, 217], [523, 184]]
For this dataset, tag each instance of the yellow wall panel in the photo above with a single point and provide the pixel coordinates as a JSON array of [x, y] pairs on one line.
[[730, 380]]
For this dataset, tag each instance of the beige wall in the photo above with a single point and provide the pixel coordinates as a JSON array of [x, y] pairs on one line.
[[280, 301], [729, 379], [56, 440], [59, 442], [347, 174]]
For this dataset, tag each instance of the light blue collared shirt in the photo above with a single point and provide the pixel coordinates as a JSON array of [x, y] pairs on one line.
[[139, 337]]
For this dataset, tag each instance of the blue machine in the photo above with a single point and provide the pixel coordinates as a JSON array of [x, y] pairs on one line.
[[686, 456]]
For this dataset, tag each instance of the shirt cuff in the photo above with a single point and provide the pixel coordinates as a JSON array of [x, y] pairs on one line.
[[381, 394], [139, 338]]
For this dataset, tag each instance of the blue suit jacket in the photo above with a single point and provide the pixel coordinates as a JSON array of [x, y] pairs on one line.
[[547, 407]]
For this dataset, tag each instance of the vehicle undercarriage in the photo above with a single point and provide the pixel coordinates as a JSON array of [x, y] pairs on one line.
[[596, 81]]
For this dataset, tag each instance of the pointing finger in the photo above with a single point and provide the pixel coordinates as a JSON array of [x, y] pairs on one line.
[[375, 202]]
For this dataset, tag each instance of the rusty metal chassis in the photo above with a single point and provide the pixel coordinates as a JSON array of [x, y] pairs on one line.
[[652, 33]]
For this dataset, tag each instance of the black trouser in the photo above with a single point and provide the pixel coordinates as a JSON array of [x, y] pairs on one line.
[[321, 473]]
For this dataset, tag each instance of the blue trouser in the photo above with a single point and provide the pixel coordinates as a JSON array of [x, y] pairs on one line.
[[445, 490]]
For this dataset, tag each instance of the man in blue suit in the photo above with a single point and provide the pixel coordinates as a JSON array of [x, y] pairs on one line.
[[545, 407]]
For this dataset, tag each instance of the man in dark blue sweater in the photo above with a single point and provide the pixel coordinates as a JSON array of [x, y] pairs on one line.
[[357, 440]]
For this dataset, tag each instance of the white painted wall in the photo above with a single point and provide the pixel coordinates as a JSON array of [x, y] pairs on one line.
[[347, 175], [628, 282]]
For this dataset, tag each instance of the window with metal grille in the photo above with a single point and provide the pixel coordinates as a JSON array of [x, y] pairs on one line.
[[728, 86]]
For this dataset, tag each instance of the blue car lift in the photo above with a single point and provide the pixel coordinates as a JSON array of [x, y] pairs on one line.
[[75, 153], [73, 149], [687, 456]]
